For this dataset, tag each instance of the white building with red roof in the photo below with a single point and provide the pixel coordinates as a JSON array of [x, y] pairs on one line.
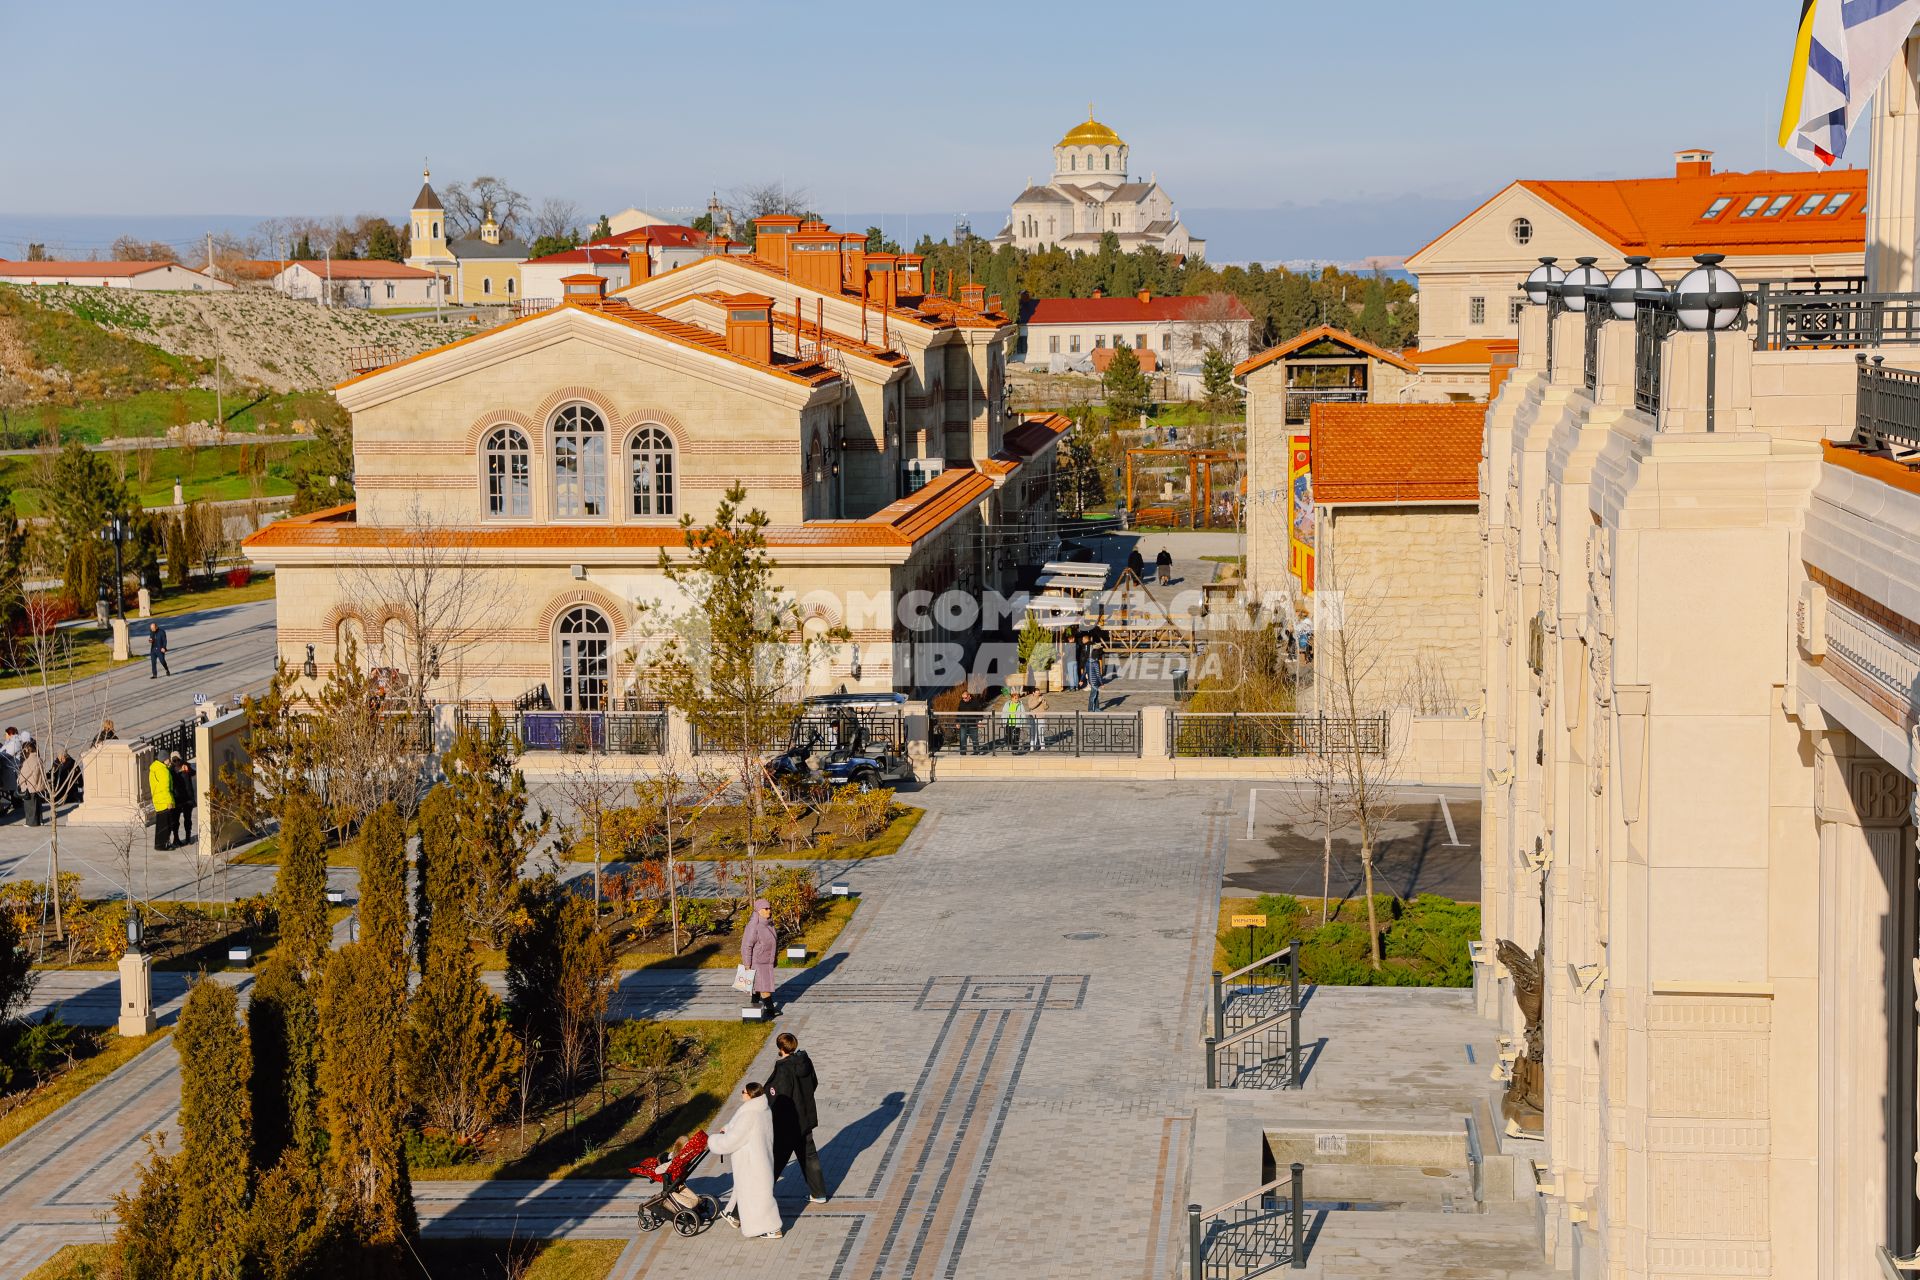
[[1063, 333], [361, 283], [156, 276]]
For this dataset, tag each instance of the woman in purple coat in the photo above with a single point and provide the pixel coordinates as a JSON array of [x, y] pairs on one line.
[[757, 947]]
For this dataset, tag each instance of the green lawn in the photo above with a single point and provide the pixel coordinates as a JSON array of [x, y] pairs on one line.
[[150, 413], [91, 649], [468, 1259], [216, 473], [115, 1051]]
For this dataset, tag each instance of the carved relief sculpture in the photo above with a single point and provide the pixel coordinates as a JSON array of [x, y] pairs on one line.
[[1525, 1100]]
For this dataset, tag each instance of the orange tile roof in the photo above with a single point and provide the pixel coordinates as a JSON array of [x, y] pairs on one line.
[[1661, 217], [1325, 332], [1386, 453], [1468, 351], [931, 310], [784, 321], [902, 524], [1034, 434], [1885, 470], [810, 372]]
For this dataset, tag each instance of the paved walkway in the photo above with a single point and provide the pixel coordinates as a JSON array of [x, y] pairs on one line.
[[1008, 1042]]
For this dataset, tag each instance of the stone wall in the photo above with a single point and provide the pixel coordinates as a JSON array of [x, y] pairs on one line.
[[1410, 578]]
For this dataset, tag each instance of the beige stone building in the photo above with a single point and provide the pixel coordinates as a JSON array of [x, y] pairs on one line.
[[1702, 683], [554, 456], [1091, 195]]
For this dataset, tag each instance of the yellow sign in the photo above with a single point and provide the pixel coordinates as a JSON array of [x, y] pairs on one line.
[[1249, 922]]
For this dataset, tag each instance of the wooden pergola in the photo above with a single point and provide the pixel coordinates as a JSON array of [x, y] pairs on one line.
[[1200, 464]]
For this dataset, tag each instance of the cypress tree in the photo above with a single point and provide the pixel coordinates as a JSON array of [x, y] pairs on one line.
[[383, 885], [283, 1029], [461, 1056], [143, 1243], [300, 890], [436, 886], [362, 1010], [215, 1168]]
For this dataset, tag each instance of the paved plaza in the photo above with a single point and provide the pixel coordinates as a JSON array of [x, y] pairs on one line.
[[1008, 1040], [1428, 843]]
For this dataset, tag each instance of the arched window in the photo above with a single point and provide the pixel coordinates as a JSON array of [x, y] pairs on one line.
[[579, 463], [581, 660], [509, 474], [509, 284], [436, 231], [486, 285], [350, 643], [650, 468]]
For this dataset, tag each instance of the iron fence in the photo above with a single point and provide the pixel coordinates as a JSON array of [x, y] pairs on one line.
[[1272, 733], [1256, 1024], [1812, 319], [636, 733], [1653, 321], [1073, 733], [1259, 1232], [1599, 311], [175, 737], [873, 730], [575, 731], [1887, 407]]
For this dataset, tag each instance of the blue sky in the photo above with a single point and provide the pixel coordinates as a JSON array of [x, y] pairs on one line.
[[1393, 105]]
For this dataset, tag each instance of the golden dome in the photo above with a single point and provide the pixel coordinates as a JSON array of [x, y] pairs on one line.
[[1091, 134]]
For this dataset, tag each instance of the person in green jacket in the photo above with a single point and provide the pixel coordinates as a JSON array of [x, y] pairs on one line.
[[160, 784]]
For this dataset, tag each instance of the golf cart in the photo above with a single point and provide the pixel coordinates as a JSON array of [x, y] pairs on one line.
[[834, 743]]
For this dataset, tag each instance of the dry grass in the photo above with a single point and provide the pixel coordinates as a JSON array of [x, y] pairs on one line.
[[74, 1262], [116, 1051], [503, 1259]]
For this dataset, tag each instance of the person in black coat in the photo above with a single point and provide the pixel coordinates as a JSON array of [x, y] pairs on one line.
[[791, 1086]]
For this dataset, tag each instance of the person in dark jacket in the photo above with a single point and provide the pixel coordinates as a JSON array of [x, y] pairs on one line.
[[794, 1117], [1163, 566], [157, 651], [186, 798]]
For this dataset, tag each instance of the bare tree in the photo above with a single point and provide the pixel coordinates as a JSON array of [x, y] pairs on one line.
[[672, 797], [556, 216], [1217, 320], [468, 204], [589, 790], [760, 199], [1362, 765]]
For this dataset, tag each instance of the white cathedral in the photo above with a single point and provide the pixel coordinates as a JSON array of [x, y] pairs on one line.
[[1089, 195]]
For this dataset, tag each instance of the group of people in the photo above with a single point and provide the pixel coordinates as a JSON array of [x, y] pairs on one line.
[[1162, 566], [171, 783], [29, 784], [773, 1125]]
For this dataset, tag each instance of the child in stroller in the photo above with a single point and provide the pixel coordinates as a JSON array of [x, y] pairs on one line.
[[689, 1212]]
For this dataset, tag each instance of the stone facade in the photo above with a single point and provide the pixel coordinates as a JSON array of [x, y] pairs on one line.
[[1091, 195], [1410, 580]]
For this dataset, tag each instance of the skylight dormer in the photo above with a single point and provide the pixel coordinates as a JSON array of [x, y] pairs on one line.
[[1753, 206], [1835, 203], [1718, 207], [1773, 209], [1811, 203]]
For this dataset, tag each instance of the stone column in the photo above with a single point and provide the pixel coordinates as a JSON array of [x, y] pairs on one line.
[[136, 994], [1893, 179]]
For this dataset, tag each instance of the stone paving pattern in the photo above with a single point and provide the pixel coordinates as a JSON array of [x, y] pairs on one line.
[[1008, 1042]]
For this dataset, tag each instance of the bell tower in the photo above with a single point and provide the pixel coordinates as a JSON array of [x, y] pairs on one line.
[[427, 229]]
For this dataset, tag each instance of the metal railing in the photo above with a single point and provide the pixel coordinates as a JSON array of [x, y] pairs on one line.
[[1300, 401], [1476, 1166], [1813, 319], [1653, 321], [1074, 733], [1890, 662], [1276, 733], [175, 737], [365, 359], [636, 733], [525, 307], [1257, 1233], [1256, 1024], [876, 730], [1886, 408], [1598, 311]]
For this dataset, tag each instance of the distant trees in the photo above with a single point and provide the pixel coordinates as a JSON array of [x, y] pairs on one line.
[[601, 229], [469, 204], [1219, 393], [383, 242], [1082, 484], [556, 218], [134, 249]]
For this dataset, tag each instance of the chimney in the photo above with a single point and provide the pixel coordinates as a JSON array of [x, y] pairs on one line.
[[913, 279], [974, 295], [882, 284], [750, 326], [813, 260], [639, 265], [1694, 162], [1098, 292], [585, 287], [770, 237], [1145, 295]]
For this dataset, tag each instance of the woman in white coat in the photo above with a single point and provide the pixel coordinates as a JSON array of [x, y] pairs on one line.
[[748, 1139]]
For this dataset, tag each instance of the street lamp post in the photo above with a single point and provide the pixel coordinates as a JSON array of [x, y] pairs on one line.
[[1709, 297], [117, 530], [1542, 287]]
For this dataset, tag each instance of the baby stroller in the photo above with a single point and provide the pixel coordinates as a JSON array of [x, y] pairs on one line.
[[689, 1212]]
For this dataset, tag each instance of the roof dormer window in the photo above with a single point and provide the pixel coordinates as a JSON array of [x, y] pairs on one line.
[[1718, 207], [1753, 206], [1779, 203], [1811, 203], [1834, 203]]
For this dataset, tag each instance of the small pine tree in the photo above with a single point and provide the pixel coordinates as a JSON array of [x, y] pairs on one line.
[[1127, 390], [289, 1220], [560, 973], [283, 1030], [461, 1057], [177, 559], [300, 890], [602, 229], [143, 1243], [1218, 391], [210, 1233], [383, 885], [439, 898], [362, 1012], [492, 834]]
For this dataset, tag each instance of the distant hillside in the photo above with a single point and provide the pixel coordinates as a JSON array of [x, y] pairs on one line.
[[259, 336]]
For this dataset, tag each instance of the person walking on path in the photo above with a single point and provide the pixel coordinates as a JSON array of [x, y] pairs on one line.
[[33, 782], [1163, 567], [1094, 675], [758, 943], [160, 786], [157, 651], [1013, 721], [791, 1086], [185, 799], [748, 1139], [1137, 565]]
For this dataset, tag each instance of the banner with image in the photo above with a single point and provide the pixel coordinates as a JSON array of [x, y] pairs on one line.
[[1300, 513]]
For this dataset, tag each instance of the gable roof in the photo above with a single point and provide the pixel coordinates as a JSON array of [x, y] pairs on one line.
[[1043, 193], [1474, 351], [593, 254], [1323, 333], [1396, 453], [358, 269], [667, 235], [113, 269], [1129, 308], [1663, 217]]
